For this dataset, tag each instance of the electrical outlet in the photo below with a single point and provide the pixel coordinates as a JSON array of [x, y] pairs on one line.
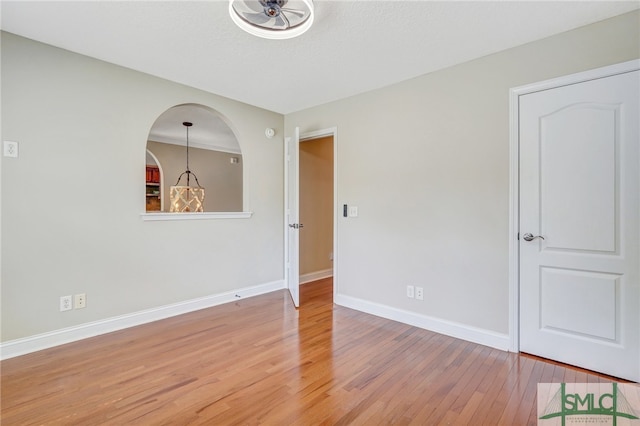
[[11, 149], [80, 301], [419, 293], [66, 303], [410, 291]]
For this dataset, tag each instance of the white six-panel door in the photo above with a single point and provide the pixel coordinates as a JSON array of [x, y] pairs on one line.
[[579, 270]]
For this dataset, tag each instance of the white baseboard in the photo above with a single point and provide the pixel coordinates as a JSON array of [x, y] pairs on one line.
[[449, 328], [314, 276], [13, 348]]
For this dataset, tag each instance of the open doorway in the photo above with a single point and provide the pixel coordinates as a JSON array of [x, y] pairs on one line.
[[316, 185]]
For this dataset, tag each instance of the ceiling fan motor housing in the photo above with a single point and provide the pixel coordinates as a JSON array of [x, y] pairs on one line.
[[273, 7]]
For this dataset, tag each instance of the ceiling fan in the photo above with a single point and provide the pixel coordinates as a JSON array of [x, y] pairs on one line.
[[274, 19]]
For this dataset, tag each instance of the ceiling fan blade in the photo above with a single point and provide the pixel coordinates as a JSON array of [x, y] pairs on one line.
[[256, 18], [279, 23], [249, 5], [300, 13], [285, 19]]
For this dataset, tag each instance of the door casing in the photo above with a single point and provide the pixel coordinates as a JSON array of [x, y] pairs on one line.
[[514, 178]]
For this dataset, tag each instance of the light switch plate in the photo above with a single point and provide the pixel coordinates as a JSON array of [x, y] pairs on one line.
[[11, 149], [353, 211]]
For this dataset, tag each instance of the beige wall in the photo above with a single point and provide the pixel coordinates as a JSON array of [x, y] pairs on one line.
[[427, 163], [316, 205], [221, 179], [71, 203]]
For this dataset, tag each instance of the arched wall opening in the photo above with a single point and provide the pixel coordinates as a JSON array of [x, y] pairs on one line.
[[214, 157]]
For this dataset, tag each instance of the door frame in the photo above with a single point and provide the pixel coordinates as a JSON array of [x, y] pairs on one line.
[[514, 177], [316, 134]]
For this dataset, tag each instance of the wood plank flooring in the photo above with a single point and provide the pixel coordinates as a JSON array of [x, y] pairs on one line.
[[260, 361]]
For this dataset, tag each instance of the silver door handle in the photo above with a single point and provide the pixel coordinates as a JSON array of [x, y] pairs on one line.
[[531, 237]]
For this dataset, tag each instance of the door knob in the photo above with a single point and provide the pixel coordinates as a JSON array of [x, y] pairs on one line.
[[531, 237]]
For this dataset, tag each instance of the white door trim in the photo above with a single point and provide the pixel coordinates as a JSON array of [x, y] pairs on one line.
[[514, 177], [331, 131]]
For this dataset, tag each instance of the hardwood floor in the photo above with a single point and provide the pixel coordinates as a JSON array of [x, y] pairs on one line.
[[259, 361]]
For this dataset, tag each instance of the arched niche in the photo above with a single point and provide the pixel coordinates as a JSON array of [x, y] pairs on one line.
[[215, 158]]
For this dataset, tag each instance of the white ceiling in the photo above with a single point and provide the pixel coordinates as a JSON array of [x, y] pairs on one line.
[[209, 131], [353, 46]]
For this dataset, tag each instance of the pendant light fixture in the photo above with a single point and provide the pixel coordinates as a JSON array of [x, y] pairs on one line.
[[274, 19], [188, 198]]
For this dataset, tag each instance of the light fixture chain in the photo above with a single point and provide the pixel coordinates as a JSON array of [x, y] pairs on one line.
[[188, 170]]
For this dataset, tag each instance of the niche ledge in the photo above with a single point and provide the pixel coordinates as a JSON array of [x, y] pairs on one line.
[[162, 216]]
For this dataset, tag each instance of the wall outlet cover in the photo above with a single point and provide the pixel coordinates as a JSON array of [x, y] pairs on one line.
[[66, 303], [80, 301], [11, 149], [410, 291]]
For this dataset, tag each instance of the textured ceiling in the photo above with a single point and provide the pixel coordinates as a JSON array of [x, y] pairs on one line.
[[353, 46], [208, 130]]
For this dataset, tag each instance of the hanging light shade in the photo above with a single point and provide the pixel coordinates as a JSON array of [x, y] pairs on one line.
[[274, 19], [184, 199]]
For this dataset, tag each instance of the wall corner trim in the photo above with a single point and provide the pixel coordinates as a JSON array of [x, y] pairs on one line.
[[449, 328], [13, 348]]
